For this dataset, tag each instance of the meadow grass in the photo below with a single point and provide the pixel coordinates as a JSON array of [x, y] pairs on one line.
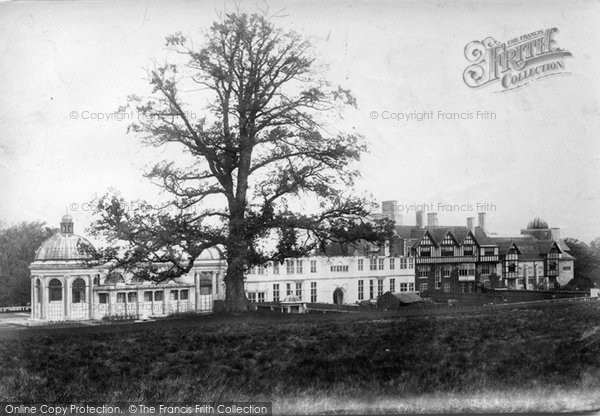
[[527, 358]]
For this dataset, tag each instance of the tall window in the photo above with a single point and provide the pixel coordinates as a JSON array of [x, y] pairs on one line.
[[78, 291], [121, 297], [288, 289], [205, 284], [260, 296], [275, 292], [299, 267], [371, 289], [447, 287], [438, 282], [379, 287], [423, 287], [361, 289], [403, 263], [361, 264], [289, 266], [373, 264], [313, 266], [425, 251], [488, 251], [147, 296], [392, 285], [381, 264], [252, 296], [411, 287], [55, 290], [423, 271], [313, 292], [447, 270], [103, 298], [392, 263], [299, 290], [276, 267]]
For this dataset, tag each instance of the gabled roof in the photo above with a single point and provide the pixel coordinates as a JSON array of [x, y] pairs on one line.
[[529, 248], [437, 234]]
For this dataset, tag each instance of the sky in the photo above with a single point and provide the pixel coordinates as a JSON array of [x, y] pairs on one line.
[[64, 62]]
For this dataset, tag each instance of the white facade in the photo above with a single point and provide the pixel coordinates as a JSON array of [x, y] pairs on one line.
[[340, 279], [65, 288]]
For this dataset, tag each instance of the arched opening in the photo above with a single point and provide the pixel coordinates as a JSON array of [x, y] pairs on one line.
[[55, 290], [338, 296], [38, 291], [205, 284], [78, 291]]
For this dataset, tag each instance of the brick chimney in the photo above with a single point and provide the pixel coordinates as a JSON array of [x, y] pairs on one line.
[[432, 220], [471, 223], [389, 209], [481, 220], [420, 219], [555, 233]]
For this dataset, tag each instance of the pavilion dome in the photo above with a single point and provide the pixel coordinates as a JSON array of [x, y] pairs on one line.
[[537, 224], [212, 253], [64, 245]]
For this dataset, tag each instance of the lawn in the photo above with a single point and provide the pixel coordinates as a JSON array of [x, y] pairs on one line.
[[505, 359]]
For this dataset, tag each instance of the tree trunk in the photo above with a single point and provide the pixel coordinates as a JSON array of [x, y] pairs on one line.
[[235, 293]]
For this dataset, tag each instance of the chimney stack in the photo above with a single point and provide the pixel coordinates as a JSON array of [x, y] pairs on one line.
[[432, 220], [420, 219], [471, 224], [481, 220], [555, 233], [389, 209]]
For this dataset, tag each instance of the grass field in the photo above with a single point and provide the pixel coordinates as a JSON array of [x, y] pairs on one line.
[[526, 358]]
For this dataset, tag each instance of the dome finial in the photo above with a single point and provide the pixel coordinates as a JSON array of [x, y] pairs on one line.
[[66, 224]]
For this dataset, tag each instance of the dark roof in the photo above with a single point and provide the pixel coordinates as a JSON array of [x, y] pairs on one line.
[[359, 248], [408, 297], [530, 248], [414, 234]]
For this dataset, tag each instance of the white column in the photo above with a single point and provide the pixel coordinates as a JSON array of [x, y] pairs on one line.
[[44, 303], [67, 298], [140, 303], [165, 302], [33, 297], [196, 291], [88, 295]]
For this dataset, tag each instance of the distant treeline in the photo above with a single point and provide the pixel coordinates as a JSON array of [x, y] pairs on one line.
[[18, 244]]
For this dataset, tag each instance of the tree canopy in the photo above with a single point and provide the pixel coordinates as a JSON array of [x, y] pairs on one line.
[[263, 173], [18, 244]]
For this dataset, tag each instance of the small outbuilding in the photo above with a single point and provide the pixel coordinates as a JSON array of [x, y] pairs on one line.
[[393, 301]]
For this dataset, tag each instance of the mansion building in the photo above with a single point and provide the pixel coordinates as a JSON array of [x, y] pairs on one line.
[[467, 258], [423, 258], [64, 287]]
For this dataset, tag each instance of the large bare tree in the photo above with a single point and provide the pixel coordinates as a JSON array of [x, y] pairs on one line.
[[246, 169]]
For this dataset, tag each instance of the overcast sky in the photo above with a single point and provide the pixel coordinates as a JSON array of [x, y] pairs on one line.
[[539, 157]]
